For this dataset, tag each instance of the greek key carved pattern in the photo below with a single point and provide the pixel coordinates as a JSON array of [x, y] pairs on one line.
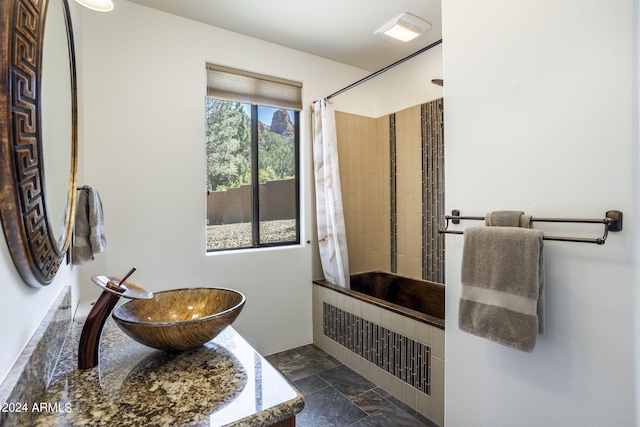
[[26, 56]]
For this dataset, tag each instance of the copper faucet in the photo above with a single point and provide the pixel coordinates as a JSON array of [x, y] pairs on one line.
[[113, 290]]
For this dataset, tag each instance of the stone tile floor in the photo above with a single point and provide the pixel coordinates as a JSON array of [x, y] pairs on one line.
[[336, 396]]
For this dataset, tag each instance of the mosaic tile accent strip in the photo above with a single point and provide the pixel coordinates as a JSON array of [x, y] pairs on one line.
[[402, 357], [392, 197], [432, 121]]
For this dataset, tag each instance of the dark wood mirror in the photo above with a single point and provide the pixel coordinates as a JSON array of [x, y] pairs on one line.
[[38, 117]]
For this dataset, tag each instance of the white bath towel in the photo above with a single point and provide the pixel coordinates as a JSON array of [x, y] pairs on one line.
[[502, 295], [89, 238]]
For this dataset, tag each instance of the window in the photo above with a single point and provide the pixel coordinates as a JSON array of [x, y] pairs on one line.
[[252, 150]]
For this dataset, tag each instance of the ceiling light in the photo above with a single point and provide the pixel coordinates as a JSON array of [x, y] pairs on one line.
[[404, 27], [97, 5]]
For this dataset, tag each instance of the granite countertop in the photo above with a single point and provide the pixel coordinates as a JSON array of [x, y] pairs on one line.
[[224, 383]]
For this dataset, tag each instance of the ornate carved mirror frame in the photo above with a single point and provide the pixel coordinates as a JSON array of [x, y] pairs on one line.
[[36, 250]]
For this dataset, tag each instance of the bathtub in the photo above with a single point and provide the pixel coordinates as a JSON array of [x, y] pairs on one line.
[[390, 329]]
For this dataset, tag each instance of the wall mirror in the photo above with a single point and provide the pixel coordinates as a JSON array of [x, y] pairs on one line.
[[38, 135]]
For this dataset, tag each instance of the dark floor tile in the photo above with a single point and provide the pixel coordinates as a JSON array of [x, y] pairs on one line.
[[404, 407], [382, 392], [389, 416], [310, 384], [370, 402], [302, 362], [394, 400], [346, 381], [424, 420], [328, 408], [336, 396], [312, 350]]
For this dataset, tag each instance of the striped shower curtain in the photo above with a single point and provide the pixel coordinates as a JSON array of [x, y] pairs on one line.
[[332, 237]]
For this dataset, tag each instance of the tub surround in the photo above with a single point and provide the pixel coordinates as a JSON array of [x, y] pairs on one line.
[[399, 349], [392, 178]]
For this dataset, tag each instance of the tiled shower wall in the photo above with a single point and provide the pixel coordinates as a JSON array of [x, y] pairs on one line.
[[432, 121], [363, 151], [408, 177], [391, 171]]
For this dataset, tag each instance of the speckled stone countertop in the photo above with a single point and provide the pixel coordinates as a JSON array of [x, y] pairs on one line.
[[224, 383]]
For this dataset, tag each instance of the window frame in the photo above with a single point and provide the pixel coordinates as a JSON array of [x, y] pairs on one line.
[[255, 184]]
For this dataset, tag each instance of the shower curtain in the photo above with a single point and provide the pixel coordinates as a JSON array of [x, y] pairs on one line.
[[332, 237]]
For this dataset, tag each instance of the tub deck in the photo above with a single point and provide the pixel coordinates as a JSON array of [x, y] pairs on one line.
[[418, 299]]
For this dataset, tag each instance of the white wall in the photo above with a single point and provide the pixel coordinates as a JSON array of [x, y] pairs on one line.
[[143, 149], [636, 155], [540, 114], [401, 87], [22, 308]]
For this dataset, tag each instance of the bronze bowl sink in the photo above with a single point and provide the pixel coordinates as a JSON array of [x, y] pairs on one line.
[[179, 319]]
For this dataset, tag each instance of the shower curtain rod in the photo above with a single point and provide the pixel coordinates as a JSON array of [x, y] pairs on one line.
[[388, 67]]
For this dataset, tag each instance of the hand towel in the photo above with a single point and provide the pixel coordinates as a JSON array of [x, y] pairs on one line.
[[89, 238], [507, 219], [96, 221], [503, 285]]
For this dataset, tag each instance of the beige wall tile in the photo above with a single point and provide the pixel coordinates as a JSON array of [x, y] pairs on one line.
[[363, 146]]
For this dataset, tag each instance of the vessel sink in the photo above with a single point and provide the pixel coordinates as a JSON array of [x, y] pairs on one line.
[[179, 319]]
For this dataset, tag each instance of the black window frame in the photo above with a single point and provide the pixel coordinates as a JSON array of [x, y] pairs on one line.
[[255, 184]]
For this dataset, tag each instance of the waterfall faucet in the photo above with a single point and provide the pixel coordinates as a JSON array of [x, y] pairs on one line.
[[113, 290]]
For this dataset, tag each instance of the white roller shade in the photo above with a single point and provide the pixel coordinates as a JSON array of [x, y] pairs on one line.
[[251, 88]]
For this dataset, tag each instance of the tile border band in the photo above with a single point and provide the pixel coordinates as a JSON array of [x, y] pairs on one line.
[[402, 357]]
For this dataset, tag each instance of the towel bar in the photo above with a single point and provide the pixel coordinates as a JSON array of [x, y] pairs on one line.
[[612, 222]]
